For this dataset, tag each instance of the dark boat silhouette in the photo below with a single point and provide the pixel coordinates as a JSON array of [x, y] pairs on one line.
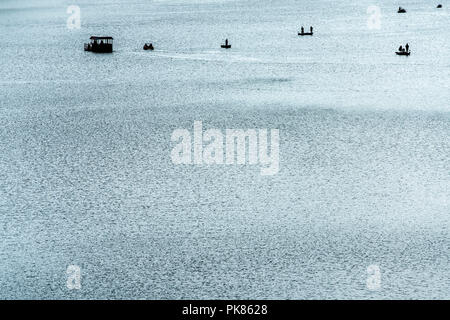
[[148, 46], [401, 10], [403, 53], [99, 44], [226, 45], [439, 6], [303, 33]]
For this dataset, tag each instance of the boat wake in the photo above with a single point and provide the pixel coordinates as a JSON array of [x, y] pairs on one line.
[[207, 56]]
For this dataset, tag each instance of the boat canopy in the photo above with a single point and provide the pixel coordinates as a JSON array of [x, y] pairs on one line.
[[107, 40], [101, 38]]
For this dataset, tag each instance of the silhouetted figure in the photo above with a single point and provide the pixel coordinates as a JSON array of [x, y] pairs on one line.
[[303, 30], [226, 42], [407, 47], [311, 29], [148, 46], [400, 49]]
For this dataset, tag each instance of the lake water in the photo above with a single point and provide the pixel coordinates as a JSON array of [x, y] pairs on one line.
[[87, 177]]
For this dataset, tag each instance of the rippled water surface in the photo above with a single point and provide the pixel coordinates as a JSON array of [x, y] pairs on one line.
[[87, 178]]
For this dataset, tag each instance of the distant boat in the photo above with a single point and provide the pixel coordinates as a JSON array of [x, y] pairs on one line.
[[99, 45], [226, 45], [439, 6], [401, 10], [148, 46], [403, 53], [303, 33]]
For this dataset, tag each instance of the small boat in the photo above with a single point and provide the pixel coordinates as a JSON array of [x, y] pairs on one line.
[[403, 53], [401, 10], [148, 46], [226, 45], [303, 33], [439, 6]]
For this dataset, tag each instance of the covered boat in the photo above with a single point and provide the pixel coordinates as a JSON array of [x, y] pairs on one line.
[[99, 44]]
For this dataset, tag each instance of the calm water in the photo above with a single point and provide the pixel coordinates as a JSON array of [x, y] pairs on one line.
[[87, 178]]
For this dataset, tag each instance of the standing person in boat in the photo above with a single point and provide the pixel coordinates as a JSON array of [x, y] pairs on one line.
[[226, 42], [400, 49], [303, 30], [407, 47], [311, 29]]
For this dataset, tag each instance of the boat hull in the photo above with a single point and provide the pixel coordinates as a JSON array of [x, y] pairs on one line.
[[105, 48]]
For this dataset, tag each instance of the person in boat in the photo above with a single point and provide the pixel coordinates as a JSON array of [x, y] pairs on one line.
[[148, 46], [400, 49], [302, 30], [311, 29], [226, 42], [407, 47]]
